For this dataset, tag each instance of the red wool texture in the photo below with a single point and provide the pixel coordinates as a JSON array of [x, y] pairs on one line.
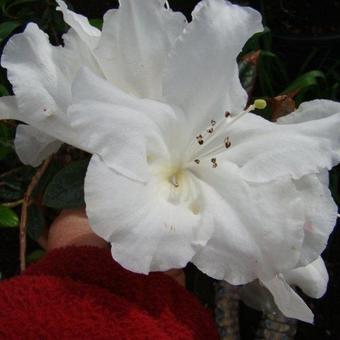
[[80, 292]]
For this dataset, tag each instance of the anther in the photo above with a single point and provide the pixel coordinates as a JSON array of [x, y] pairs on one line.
[[197, 161], [227, 143], [200, 139], [227, 114], [214, 162], [210, 130], [212, 122]]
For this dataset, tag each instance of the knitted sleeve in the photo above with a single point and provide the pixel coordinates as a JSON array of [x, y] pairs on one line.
[[79, 292]]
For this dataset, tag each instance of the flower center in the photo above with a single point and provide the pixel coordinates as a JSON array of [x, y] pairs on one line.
[[175, 179]]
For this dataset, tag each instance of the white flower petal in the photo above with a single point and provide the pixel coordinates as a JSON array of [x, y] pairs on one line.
[[40, 82], [201, 74], [8, 108], [276, 150], [135, 42], [126, 125], [312, 279], [256, 296], [35, 69], [33, 146], [41, 79], [77, 53], [312, 110], [258, 227], [146, 231], [288, 301], [79, 42], [320, 215], [80, 24]]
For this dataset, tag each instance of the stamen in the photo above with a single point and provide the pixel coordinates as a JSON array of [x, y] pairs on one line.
[[214, 162], [213, 131], [200, 139], [167, 6], [197, 161], [227, 143], [215, 151]]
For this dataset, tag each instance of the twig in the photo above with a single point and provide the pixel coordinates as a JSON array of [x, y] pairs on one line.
[[13, 204], [25, 204]]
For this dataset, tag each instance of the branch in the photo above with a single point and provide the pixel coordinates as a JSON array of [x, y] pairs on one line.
[[23, 220]]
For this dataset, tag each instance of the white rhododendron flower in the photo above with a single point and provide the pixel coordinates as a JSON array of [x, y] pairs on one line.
[[181, 170]]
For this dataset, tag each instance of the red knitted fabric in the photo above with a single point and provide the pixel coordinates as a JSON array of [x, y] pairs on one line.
[[79, 292]]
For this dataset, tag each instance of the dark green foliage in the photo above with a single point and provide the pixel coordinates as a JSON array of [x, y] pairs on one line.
[[97, 23], [8, 217], [316, 77], [7, 27], [66, 189], [13, 184], [6, 146], [34, 256], [46, 178]]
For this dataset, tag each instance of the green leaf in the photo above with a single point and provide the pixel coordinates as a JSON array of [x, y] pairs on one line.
[[98, 23], [248, 70], [3, 90], [6, 145], [8, 5], [5, 132], [35, 256], [66, 189], [306, 80], [8, 217], [4, 151], [35, 221], [7, 27], [261, 40], [14, 184], [8, 194], [51, 171]]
